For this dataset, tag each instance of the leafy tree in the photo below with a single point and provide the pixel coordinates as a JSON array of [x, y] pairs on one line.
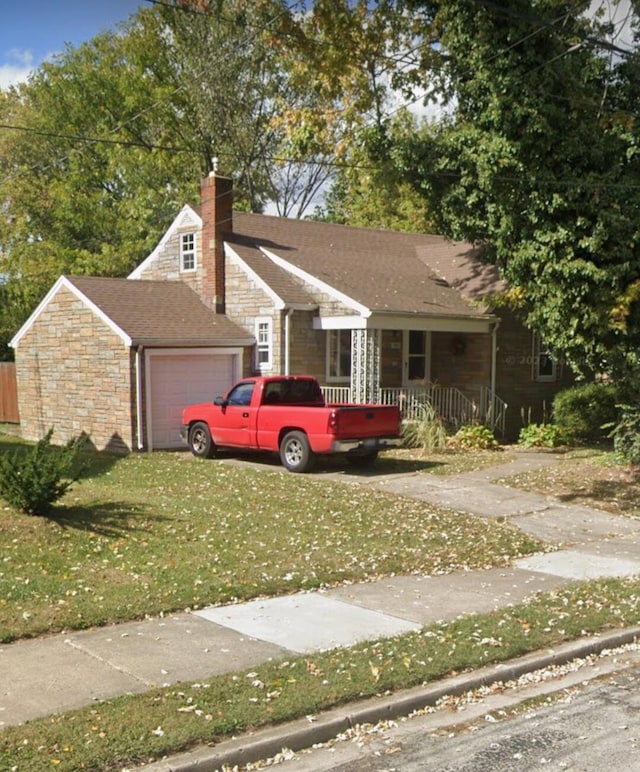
[[104, 144], [538, 160], [368, 190]]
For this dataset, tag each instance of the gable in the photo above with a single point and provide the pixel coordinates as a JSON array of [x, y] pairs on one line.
[[163, 261], [62, 285]]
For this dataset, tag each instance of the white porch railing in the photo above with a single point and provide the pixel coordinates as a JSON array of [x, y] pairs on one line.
[[494, 410], [450, 403]]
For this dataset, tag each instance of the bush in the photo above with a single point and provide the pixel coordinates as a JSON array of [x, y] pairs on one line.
[[473, 438], [427, 431], [626, 434], [543, 436], [32, 480], [584, 410]]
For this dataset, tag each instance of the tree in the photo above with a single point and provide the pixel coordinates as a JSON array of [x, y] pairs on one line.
[[104, 144], [539, 163], [367, 188], [344, 60]]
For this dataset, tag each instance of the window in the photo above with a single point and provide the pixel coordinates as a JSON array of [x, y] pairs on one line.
[[188, 252], [417, 355], [241, 394], [544, 363], [264, 344], [339, 355]]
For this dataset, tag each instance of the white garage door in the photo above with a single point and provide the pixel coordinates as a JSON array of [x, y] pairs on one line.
[[176, 380]]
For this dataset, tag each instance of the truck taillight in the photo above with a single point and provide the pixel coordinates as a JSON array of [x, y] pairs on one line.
[[333, 422]]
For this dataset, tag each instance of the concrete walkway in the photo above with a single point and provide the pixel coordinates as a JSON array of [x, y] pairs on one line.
[[62, 672]]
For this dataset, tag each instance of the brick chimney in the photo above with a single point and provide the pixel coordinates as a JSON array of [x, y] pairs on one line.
[[216, 206]]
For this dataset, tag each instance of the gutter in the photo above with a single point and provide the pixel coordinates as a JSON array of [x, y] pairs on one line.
[[287, 341], [494, 354]]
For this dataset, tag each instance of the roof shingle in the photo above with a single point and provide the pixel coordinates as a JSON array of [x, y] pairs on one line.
[[173, 312], [386, 271]]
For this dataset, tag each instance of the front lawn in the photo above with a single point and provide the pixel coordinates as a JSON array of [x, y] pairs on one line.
[[160, 532], [587, 477]]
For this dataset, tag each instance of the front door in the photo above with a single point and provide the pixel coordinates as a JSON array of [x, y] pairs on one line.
[[417, 359]]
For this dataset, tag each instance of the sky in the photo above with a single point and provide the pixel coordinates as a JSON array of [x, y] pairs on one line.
[[31, 31]]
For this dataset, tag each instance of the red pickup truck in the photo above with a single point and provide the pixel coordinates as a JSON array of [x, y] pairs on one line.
[[288, 415]]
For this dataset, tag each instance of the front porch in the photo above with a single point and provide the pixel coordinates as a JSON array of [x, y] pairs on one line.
[[451, 404], [451, 369]]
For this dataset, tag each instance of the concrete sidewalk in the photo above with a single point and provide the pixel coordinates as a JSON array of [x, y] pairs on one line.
[[62, 672]]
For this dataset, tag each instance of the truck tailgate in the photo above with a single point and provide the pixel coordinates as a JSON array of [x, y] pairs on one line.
[[367, 420]]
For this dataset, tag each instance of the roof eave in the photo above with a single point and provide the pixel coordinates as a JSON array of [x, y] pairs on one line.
[[192, 343]]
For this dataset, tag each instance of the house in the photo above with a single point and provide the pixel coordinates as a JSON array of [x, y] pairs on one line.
[[374, 315]]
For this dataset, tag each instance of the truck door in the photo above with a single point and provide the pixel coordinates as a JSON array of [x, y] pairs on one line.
[[234, 421]]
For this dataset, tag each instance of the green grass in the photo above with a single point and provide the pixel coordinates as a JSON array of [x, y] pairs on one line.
[[154, 533], [118, 733], [593, 477], [441, 462]]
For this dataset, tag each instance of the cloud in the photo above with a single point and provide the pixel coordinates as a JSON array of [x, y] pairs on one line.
[[18, 64]]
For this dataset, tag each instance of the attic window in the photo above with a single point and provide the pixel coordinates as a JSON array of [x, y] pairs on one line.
[[188, 252]]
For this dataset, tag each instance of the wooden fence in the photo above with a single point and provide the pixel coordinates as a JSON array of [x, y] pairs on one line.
[[8, 393]]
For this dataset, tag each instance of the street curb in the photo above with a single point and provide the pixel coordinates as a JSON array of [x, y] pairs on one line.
[[303, 733]]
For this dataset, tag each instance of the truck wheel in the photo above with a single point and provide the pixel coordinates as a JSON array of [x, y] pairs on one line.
[[200, 440], [295, 453]]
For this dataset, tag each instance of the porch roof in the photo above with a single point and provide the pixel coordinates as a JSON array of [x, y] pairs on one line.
[[386, 272]]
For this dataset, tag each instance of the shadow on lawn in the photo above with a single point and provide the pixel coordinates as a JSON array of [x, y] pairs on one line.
[[112, 519], [623, 493], [331, 464]]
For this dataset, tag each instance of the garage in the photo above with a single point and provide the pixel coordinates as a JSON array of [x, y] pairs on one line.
[[176, 378]]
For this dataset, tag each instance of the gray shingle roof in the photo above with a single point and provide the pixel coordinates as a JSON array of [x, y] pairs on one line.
[[386, 271], [173, 312]]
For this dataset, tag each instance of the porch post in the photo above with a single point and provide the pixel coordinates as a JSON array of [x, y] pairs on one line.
[[365, 366]]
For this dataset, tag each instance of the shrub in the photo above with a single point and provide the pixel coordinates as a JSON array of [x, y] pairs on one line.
[[543, 436], [32, 480], [427, 431], [584, 410], [473, 438], [626, 434]]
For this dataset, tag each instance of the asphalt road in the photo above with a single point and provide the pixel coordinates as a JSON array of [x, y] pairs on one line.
[[588, 721]]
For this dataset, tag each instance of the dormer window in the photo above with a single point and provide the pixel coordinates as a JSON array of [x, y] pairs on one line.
[[188, 252]]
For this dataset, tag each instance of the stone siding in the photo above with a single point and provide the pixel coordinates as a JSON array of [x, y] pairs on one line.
[[75, 374], [166, 265], [246, 302]]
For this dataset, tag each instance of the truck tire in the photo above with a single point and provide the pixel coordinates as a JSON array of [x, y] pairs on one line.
[[295, 453], [200, 441]]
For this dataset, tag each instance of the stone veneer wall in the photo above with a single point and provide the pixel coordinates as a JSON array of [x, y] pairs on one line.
[[246, 301], [166, 265], [75, 383]]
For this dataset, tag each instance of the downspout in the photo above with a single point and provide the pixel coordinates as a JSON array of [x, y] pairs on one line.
[[494, 354], [139, 351], [287, 341]]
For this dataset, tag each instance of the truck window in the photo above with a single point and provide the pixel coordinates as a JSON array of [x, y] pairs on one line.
[[297, 392], [241, 394]]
